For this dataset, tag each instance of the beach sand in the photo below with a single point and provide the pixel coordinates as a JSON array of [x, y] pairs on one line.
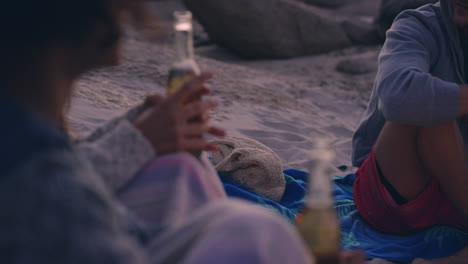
[[285, 104]]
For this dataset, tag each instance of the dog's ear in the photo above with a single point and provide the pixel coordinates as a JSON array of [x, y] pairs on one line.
[[231, 162], [225, 149]]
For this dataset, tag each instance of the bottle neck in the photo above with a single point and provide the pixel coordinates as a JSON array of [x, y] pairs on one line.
[[184, 42], [320, 188], [320, 184]]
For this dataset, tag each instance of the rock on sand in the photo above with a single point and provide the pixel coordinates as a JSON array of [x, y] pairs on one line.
[[270, 28]]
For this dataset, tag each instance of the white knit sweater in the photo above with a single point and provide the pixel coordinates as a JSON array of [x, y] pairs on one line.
[[117, 150]]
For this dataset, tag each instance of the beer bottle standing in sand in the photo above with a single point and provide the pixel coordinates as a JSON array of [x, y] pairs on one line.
[[185, 67], [318, 224]]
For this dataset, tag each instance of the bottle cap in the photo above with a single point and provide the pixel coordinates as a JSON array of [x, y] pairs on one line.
[[183, 20]]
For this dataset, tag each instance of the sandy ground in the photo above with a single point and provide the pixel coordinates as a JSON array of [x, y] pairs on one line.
[[285, 104]]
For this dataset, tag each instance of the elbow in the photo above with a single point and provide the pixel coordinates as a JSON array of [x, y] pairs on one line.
[[394, 110], [403, 111], [400, 95], [413, 96], [392, 100]]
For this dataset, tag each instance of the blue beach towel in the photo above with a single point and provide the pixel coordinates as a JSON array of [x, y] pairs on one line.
[[291, 203], [356, 233]]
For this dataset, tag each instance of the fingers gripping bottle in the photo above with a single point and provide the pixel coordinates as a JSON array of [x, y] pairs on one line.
[[185, 66], [318, 224]]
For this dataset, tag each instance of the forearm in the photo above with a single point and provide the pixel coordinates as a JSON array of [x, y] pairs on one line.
[[417, 98], [409, 91], [101, 131], [117, 149], [118, 154]]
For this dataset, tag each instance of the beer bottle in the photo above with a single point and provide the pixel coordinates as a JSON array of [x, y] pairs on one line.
[[318, 224], [185, 66]]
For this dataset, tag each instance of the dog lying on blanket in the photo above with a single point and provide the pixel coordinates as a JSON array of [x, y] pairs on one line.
[[252, 165]]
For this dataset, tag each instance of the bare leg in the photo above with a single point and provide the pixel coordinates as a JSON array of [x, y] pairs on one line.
[[410, 156]]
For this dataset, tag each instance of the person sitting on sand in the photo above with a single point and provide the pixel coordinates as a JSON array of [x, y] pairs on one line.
[[55, 206], [410, 146], [66, 201]]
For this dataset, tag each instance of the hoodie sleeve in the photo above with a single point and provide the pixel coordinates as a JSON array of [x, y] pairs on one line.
[[117, 150], [407, 92]]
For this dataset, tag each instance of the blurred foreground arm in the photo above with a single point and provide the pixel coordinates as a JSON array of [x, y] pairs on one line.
[[54, 211], [119, 149]]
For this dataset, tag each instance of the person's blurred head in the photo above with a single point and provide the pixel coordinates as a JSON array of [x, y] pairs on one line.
[[86, 30], [46, 44], [460, 13]]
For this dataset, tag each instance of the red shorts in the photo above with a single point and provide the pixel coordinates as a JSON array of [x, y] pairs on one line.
[[377, 206]]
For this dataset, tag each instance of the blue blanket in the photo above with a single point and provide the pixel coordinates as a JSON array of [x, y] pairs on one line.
[[356, 233], [291, 203]]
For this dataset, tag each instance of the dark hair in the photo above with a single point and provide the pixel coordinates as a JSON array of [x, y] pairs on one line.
[[29, 24]]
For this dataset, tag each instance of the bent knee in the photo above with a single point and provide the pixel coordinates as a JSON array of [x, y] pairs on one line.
[[269, 238]]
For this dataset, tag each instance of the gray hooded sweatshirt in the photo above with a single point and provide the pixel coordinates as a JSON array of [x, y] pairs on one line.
[[421, 66]]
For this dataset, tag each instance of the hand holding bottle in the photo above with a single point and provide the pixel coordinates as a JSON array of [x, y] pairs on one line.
[[166, 122]]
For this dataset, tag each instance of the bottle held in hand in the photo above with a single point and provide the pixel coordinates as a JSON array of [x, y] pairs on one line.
[[318, 224], [185, 67]]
